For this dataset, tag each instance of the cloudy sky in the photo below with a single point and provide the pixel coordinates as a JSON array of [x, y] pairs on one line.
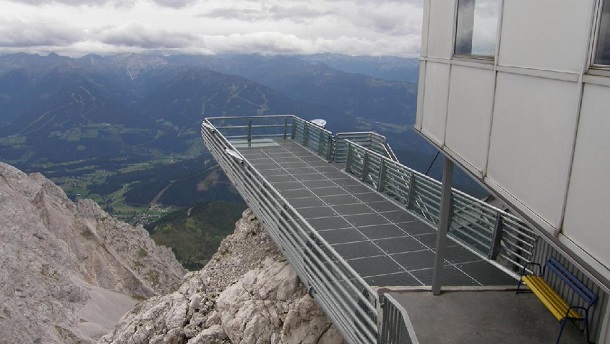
[[78, 27]]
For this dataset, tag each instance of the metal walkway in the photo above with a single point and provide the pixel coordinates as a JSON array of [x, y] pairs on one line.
[[381, 241], [348, 217]]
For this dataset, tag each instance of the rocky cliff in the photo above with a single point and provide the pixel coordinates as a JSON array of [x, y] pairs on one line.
[[247, 293], [68, 271]]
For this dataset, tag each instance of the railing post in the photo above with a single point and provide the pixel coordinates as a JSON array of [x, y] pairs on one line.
[[340, 152], [249, 133], [348, 159], [381, 177], [305, 134], [321, 143], [329, 149], [285, 128], [293, 133], [411, 195], [496, 238], [365, 166], [443, 226]]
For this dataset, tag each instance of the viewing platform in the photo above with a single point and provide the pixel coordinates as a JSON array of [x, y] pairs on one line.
[[360, 229], [382, 242]]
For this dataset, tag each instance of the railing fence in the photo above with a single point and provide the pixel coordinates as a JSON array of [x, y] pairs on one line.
[[371, 140], [341, 292], [396, 327], [502, 238]]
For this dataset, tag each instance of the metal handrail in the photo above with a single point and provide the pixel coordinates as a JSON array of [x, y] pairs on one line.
[[340, 291], [367, 139], [396, 326], [309, 135], [489, 231]]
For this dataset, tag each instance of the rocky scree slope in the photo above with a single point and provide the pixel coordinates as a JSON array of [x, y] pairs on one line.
[[68, 271], [247, 293]]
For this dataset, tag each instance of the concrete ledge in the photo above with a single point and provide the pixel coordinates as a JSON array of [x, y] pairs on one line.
[[480, 315]]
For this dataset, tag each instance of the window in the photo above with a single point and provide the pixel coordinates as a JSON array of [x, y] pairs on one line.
[[602, 52], [477, 28]]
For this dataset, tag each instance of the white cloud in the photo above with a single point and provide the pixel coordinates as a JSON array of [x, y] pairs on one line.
[[78, 3], [16, 32], [359, 27], [174, 3], [300, 14], [139, 36]]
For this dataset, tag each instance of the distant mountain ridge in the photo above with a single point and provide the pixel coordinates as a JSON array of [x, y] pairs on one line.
[[87, 122]]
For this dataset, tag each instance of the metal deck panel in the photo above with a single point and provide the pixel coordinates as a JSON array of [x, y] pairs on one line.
[[380, 240]]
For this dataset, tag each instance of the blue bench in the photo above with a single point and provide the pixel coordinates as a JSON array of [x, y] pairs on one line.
[[551, 299]]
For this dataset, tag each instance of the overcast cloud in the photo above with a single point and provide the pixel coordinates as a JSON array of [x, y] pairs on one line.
[[78, 27]]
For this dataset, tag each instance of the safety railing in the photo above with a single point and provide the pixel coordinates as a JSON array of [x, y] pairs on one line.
[[396, 327], [245, 129], [489, 231], [254, 130], [370, 140], [313, 137], [345, 297]]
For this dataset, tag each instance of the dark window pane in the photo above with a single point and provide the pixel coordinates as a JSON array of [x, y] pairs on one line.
[[477, 27], [602, 55]]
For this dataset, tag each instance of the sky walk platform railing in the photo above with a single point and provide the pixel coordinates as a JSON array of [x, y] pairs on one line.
[[505, 240], [489, 231], [500, 238], [370, 140], [397, 327], [345, 297]]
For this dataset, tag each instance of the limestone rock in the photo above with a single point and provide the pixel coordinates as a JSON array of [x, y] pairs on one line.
[[68, 270], [247, 293]]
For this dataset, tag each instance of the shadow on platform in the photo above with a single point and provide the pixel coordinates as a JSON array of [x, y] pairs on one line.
[[481, 315]]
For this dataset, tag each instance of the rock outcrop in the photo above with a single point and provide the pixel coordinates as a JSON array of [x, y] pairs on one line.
[[247, 293], [68, 271]]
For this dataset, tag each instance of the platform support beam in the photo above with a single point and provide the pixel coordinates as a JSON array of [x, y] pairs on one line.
[[443, 226]]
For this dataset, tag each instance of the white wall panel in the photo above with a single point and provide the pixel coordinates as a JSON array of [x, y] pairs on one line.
[[440, 29], [435, 101], [469, 114], [531, 38], [420, 95], [587, 219], [531, 141]]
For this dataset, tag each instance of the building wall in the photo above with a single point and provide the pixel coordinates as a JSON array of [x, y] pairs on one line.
[[533, 123]]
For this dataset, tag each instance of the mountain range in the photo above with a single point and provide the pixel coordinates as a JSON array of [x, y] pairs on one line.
[[124, 129]]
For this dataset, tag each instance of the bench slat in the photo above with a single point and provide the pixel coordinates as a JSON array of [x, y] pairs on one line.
[[577, 285], [549, 297]]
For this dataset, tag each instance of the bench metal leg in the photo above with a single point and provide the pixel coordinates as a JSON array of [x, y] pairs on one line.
[[519, 285], [587, 327], [563, 325]]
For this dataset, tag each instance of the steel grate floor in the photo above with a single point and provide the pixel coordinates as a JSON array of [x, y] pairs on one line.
[[385, 244]]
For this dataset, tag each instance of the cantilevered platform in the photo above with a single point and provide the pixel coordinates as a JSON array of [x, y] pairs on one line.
[[381, 241], [355, 224]]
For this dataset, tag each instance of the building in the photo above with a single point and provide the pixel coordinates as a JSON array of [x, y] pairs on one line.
[[517, 93]]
